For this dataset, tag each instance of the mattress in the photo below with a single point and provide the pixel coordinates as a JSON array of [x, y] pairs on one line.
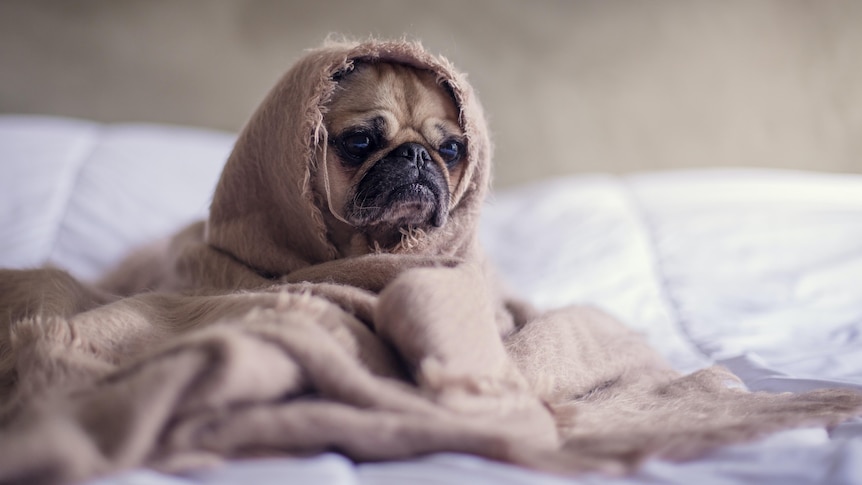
[[757, 270]]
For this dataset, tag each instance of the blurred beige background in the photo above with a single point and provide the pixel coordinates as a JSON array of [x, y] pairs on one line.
[[570, 86]]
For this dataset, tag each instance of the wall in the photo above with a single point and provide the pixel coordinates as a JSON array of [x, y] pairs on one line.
[[570, 86]]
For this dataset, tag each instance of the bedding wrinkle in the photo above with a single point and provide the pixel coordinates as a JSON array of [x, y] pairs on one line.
[[68, 189], [251, 335], [644, 221]]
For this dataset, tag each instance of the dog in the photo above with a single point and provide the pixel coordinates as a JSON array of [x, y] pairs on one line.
[[394, 154]]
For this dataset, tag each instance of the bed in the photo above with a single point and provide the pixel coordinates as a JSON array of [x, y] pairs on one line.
[[757, 270]]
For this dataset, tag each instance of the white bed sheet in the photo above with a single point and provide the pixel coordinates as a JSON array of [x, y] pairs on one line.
[[758, 270]]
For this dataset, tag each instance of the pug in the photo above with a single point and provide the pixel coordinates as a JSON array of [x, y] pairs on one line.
[[394, 153]]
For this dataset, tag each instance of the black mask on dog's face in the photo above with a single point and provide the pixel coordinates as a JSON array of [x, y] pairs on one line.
[[404, 188]]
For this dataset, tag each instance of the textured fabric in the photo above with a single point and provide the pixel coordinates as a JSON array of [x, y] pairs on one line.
[[262, 340]]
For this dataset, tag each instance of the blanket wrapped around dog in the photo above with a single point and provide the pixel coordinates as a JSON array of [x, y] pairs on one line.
[[250, 335]]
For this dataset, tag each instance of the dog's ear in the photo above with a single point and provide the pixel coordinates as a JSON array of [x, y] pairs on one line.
[[339, 74]]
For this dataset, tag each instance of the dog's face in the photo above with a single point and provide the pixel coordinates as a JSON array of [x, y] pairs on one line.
[[396, 152]]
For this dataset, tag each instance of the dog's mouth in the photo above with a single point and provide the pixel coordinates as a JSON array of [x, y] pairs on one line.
[[411, 194], [383, 200], [415, 204]]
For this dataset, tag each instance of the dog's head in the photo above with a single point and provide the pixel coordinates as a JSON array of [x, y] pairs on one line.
[[394, 155], [360, 147]]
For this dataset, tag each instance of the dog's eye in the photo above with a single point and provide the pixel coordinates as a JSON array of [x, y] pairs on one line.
[[358, 145], [451, 152]]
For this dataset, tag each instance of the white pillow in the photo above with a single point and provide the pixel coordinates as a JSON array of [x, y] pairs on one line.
[[80, 195]]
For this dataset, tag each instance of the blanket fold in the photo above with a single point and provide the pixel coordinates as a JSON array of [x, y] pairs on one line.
[[250, 335]]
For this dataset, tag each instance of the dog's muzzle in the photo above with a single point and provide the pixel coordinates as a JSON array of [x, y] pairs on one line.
[[404, 188]]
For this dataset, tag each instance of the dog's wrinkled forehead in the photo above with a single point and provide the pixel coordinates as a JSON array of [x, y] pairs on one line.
[[392, 98]]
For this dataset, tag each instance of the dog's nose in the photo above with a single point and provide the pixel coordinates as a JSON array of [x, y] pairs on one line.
[[415, 153]]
